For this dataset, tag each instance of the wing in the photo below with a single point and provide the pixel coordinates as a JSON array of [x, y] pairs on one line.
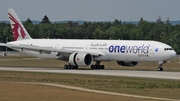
[[48, 50]]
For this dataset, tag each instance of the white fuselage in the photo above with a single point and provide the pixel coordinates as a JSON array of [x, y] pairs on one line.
[[112, 50]]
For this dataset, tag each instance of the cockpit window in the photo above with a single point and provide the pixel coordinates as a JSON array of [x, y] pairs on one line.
[[168, 49]]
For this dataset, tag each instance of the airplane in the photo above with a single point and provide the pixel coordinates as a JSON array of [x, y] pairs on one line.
[[82, 52]]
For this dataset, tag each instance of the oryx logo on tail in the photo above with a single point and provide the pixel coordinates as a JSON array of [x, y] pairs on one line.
[[17, 28]]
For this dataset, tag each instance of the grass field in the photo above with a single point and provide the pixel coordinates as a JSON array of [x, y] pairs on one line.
[[138, 86], [27, 92]]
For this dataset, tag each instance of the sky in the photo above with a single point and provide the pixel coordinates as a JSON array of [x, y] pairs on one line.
[[92, 10]]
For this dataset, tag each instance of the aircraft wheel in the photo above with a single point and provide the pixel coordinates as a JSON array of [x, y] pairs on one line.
[[71, 67], [75, 67], [102, 66], [65, 66], [98, 66], [160, 69], [92, 66]]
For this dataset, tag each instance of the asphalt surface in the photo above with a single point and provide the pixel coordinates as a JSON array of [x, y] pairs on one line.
[[125, 73]]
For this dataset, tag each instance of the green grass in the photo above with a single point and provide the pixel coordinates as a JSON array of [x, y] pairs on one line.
[[137, 86]]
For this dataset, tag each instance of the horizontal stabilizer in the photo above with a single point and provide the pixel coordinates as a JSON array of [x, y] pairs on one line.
[[3, 44]]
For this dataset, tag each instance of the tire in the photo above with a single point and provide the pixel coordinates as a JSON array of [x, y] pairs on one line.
[[75, 67], [160, 69], [65, 66], [92, 67], [102, 66]]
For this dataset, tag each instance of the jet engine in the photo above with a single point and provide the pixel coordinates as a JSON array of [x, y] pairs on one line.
[[123, 63], [80, 59]]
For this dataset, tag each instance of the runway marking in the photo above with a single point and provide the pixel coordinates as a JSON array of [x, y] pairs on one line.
[[97, 91]]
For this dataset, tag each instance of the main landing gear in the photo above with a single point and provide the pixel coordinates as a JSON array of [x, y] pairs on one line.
[[160, 68], [70, 67], [97, 65]]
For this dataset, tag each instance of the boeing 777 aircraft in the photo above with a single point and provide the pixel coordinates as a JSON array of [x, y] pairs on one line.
[[83, 52]]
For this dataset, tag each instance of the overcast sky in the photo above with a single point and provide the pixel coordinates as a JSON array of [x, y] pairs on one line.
[[92, 10]]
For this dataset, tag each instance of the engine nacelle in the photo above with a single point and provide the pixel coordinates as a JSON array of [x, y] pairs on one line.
[[123, 63], [80, 59]]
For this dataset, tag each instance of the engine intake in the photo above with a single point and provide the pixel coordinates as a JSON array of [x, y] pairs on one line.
[[80, 59], [123, 63]]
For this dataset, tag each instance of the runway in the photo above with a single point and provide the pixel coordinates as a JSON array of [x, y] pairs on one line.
[[124, 73]]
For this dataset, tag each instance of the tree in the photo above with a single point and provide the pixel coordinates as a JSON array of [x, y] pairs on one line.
[[159, 20], [28, 21], [141, 21], [117, 22], [168, 22], [159, 31], [45, 20]]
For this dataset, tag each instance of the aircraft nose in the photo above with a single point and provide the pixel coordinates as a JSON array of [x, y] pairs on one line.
[[174, 53], [170, 54]]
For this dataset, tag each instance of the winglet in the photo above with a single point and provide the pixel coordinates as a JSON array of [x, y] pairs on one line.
[[18, 30]]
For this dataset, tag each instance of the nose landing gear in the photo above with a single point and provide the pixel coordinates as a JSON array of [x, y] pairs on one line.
[[160, 68]]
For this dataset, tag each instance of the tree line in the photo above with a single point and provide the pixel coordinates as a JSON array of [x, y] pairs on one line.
[[158, 31]]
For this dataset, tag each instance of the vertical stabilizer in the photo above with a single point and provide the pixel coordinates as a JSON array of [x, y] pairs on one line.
[[18, 30]]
